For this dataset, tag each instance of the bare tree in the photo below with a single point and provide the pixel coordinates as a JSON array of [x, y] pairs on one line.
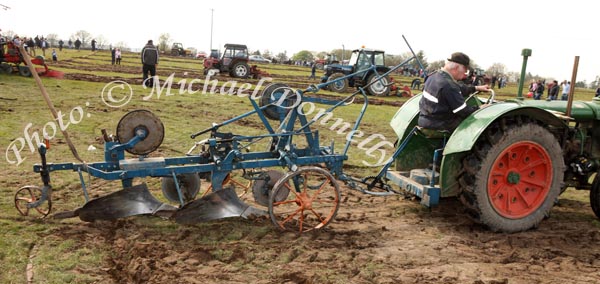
[[52, 39], [83, 36], [496, 69], [164, 42], [101, 41], [436, 65]]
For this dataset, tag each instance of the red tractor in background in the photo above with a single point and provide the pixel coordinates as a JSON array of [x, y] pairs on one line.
[[12, 60], [233, 61], [329, 59]]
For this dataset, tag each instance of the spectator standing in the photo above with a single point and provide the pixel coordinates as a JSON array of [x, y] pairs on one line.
[[566, 89], [44, 46], [70, 44], [313, 69], [149, 62], [77, 44], [60, 45], [597, 92], [93, 44], [31, 46], [54, 55], [539, 90], [118, 56], [113, 55], [553, 91]]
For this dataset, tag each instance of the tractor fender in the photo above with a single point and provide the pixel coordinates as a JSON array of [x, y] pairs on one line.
[[467, 133], [406, 117], [465, 136]]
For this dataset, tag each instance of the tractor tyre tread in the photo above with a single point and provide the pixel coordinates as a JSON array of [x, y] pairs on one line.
[[473, 182]]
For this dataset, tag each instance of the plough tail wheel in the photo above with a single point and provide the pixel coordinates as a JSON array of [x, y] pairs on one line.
[[141, 119], [29, 194], [305, 200]]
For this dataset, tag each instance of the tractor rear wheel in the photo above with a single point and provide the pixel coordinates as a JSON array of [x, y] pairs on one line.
[[340, 86], [512, 177], [240, 70], [381, 87]]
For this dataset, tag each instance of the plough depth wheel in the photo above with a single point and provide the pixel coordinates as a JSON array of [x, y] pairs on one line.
[[29, 194], [312, 202]]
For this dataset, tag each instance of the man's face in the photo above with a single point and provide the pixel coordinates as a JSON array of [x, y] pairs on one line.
[[463, 72]]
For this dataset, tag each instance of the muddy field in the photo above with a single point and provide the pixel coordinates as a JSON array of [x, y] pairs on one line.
[[373, 239]]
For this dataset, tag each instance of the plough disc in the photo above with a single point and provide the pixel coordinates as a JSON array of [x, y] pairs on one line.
[[144, 120], [262, 188], [189, 184]]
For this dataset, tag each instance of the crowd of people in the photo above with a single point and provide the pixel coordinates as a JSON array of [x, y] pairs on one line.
[[537, 88]]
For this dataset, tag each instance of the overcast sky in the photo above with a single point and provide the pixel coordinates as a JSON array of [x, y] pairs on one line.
[[488, 31]]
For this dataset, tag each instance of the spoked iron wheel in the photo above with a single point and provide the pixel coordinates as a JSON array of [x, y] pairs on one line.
[[242, 185], [29, 194], [305, 200]]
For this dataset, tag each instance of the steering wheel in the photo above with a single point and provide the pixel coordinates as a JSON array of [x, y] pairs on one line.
[[488, 101]]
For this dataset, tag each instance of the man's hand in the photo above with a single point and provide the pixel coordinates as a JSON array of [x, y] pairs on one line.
[[482, 88]]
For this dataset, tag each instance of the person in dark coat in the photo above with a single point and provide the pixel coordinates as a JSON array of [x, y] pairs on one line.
[[149, 62], [443, 105]]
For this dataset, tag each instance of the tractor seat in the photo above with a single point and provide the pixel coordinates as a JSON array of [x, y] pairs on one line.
[[433, 133]]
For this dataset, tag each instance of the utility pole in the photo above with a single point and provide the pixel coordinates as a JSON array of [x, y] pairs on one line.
[[211, 28]]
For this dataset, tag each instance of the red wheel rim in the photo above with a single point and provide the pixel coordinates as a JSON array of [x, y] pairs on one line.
[[520, 180]]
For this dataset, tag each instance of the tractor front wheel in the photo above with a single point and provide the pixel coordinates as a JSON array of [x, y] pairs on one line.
[[512, 177]]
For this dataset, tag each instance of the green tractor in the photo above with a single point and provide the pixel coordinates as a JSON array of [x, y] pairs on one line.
[[507, 163]]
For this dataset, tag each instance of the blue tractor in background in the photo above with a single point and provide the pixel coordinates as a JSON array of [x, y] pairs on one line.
[[361, 60]]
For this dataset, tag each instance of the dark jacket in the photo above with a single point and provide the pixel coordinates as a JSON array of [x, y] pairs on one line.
[[554, 90], [443, 106], [150, 55]]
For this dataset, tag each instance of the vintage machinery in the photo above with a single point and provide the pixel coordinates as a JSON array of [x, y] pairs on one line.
[[178, 50], [234, 61], [360, 62], [507, 163], [13, 62], [305, 198]]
